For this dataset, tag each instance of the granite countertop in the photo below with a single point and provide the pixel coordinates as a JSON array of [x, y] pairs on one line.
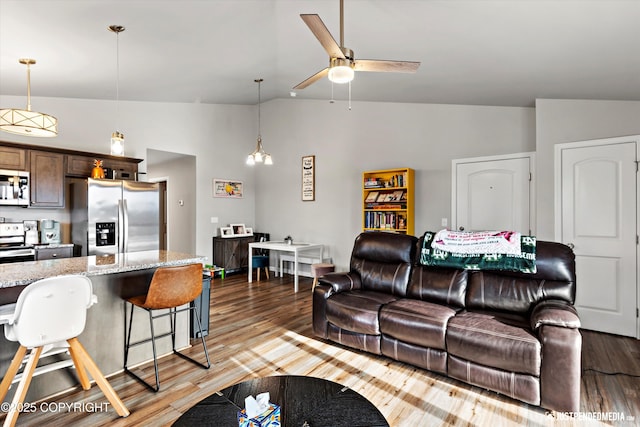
[[24, 273], [53, 245]]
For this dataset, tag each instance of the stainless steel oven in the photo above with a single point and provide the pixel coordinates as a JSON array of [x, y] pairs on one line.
[[12, 244]]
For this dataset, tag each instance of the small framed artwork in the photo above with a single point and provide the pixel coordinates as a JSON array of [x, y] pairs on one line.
[[227, 188], [226, 232], [308, 178], [248, 231], [238, 229]]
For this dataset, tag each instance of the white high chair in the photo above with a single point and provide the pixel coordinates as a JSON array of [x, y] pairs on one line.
[[49, 315]]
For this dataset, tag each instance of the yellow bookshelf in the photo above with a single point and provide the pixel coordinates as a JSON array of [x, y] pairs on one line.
[[388, 200]]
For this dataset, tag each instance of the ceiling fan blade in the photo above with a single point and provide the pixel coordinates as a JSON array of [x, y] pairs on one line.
[[317, 76], [386, 66], [323, 35]]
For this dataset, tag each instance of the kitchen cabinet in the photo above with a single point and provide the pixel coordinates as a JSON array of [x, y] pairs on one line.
[[231, 252], [80, 166], [13, 158], [47, 179], [54, 253]]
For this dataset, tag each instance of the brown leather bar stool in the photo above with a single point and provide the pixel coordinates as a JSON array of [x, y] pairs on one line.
[[170, 288], [320, 269]]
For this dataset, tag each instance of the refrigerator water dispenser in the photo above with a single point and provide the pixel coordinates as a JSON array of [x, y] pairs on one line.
[[105, 233]]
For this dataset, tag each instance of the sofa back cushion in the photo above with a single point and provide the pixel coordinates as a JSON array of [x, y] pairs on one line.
[[438, 285], [383, 261], [518, 292]]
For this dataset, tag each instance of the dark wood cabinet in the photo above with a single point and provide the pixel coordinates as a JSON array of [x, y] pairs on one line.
[[81, 166], [47, 179], [13, 158], [231, 253], [54, 253]]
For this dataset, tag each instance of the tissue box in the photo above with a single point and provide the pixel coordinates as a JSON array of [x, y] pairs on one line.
[[269, 418]]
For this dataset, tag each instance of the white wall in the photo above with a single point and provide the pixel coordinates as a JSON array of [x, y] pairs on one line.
[[425, 137], [371, 136], [566, 120], [220, 136]]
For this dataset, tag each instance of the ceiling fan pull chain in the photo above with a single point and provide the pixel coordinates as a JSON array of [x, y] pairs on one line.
[[331, 101], [349, 96]]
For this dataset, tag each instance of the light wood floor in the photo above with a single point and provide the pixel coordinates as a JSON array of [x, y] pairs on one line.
[[263, 329]]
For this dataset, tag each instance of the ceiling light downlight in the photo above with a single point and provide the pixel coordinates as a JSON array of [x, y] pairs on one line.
[[27, 122]]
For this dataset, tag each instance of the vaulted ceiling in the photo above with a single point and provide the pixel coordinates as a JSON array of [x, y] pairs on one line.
[[479, 52]]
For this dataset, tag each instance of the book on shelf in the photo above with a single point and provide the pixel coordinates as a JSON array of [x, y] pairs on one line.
[[371, 197]]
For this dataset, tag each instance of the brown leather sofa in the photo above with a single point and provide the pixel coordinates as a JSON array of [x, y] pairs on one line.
[[513, 333]]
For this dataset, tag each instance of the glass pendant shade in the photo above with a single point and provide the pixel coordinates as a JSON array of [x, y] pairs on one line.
[[341, 74], [117, 144], [27, 122], [117, 138], [259, 155]]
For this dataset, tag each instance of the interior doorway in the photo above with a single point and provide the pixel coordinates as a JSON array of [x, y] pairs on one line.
[[596, 213], [178, 172], [493, 193]]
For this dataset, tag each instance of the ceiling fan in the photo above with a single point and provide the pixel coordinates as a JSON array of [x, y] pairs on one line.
[[342, 62]]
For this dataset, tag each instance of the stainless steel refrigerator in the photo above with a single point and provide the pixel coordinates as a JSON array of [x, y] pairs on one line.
[[114, 216]]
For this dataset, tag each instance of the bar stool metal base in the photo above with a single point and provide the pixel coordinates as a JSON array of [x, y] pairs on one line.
[[172, 312]]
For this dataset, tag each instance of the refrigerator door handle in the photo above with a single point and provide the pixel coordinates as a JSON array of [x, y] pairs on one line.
[[125, 211], [120, 242]]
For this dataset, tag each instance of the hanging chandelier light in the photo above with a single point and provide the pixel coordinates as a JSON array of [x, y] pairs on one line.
[[258, 155], [117, 137], [27, 122]]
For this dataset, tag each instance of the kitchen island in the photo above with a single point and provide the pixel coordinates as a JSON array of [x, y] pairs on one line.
[[114, 277]]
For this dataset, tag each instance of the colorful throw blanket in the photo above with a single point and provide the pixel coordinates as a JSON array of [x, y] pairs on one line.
[[525, 262], [478, 242]]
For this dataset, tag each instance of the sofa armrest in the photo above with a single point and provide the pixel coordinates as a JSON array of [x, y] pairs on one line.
[[341, 282], [554, 313]]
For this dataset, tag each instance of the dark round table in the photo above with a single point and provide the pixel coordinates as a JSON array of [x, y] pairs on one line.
[[309, 400]]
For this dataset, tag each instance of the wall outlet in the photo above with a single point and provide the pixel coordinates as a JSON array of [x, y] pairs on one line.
[[444, 222], [214, 220]]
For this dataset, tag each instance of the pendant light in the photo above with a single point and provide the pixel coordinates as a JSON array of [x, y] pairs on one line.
[[117, 137], [258, 155], [27, 122]]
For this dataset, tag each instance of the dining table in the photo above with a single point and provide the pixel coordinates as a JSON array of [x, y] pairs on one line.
[[295, 248]]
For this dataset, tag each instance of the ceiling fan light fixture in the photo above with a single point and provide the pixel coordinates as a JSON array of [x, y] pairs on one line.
[[341, 74], [27, 122]]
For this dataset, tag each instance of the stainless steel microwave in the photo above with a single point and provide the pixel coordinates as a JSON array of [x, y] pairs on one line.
[[14, 188]]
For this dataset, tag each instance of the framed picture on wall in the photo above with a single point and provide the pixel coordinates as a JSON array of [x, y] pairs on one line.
[[308, 178], [227, 188]]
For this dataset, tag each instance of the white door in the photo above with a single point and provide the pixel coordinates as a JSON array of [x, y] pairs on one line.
[[492, 193], [597, 216]]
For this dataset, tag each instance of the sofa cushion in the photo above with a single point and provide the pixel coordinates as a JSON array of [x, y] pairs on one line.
[[357, 311], [498, 342], [383, 261], [440, 285], [416, 322]]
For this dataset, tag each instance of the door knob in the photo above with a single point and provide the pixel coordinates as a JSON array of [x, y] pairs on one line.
[[571, 245], [461, 228]]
